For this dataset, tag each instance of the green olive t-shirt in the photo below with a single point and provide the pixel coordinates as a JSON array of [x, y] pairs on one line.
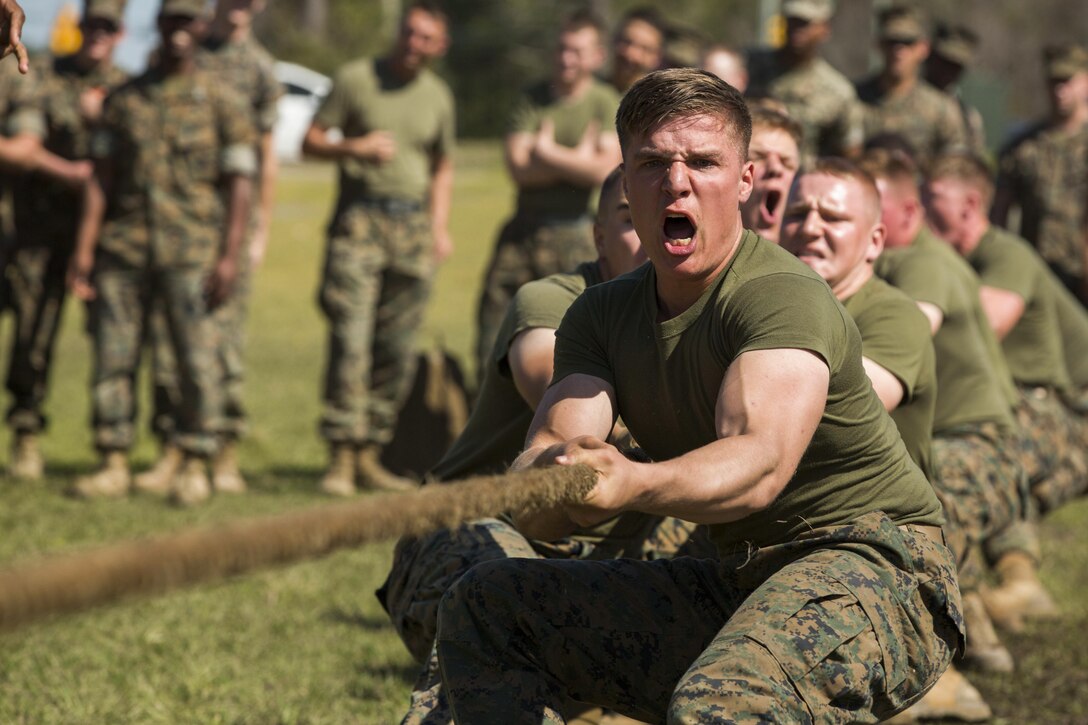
[[895, 335], [667, 376]]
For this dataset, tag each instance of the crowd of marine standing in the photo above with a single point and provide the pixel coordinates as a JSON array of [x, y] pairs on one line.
[[150, 199]]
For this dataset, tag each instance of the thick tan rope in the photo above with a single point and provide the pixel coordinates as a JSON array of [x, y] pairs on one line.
[[68, 583]]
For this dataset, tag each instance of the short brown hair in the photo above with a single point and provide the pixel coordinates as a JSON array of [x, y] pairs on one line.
[[893, 166], [764, 117], [582, 19], [966, 168], [432, 8], [674, 93], [849, 171]]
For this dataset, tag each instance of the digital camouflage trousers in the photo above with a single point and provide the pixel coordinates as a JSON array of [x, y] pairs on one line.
[[982, 485], [36, 288], [424, 569], [374, 290], [848, 623], [119, 314], [528, 248]]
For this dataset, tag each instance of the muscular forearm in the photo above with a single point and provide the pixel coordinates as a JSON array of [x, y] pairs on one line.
[[575, 167], [441, 193], [239, 191], [19, 153], [270, 167]]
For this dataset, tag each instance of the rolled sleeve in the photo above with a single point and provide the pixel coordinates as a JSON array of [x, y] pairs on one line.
[[238, 159]]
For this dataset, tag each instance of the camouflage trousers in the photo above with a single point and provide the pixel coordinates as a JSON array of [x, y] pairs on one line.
[[119, 317], [843, 624], [424, 569], [528, 248], [374, 290], [36, 279], [983, 488], [166, 394], [1052, 450]]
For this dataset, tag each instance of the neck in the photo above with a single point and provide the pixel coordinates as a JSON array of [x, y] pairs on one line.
[[794, 59], [403, 73], [571, 90], [223, 31], [1073, 121], [848, 286], [897, 86], [676, 296]]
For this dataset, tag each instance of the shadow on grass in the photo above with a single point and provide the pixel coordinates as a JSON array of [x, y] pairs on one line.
[[371, 674], [356, 618]]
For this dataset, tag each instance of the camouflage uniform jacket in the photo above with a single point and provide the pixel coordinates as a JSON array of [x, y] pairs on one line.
[[170, 140], [46, 210], [248, 69], [927, 118], [817, 96], [1046, 173]]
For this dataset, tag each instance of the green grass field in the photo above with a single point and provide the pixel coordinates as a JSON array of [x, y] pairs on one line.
[[309, 643]]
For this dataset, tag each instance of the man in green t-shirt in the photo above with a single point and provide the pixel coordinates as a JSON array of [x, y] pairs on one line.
[[1019, 297], [387, 232], [517, 376], [559, 147], [832, 224], [829, 547]]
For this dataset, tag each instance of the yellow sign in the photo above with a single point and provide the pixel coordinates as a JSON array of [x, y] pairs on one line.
[[66, 38]]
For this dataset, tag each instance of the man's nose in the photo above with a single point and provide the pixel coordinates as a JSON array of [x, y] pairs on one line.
[[677, 182]]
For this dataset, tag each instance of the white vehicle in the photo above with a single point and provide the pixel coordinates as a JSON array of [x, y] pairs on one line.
[[303, 91]]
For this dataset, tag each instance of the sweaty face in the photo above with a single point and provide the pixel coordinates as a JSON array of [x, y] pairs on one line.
[[946, 209], [775, 159], [685, 180], [422, 39], [829, 225], [637, 48], [618, 247], [578, 55]]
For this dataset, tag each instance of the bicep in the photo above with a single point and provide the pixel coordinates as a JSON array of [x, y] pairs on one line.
[[517, 147], [531, 359], [578, 405], [761, 389], [888, 387], [1003, 309]]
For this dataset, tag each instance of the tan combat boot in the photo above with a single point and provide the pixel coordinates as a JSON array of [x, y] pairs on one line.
[[111, 480], [226, 476], [953, 697], [26, 458], [339, 480], [158, 479], [373, 476], [1020, 594], [984, 649], [191, 485]]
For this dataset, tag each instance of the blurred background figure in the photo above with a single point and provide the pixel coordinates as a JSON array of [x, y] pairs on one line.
[[816, 95], [560, 146], [56, 115], [898, 100], [775, 153], [1044, 172], [388, 232], [637, 46], [953, 52], [727, 64]]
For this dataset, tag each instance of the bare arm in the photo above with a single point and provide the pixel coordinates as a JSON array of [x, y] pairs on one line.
[[587, 164], [888, 387], [376, 147], [1003, 309], [270, 167], [531, 358], [741, 472], [521, 163], [933, 314], [441, 201], [81, 265], [221, 282]]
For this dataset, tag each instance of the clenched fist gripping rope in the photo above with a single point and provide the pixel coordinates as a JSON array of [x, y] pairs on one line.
[[68, 583]]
